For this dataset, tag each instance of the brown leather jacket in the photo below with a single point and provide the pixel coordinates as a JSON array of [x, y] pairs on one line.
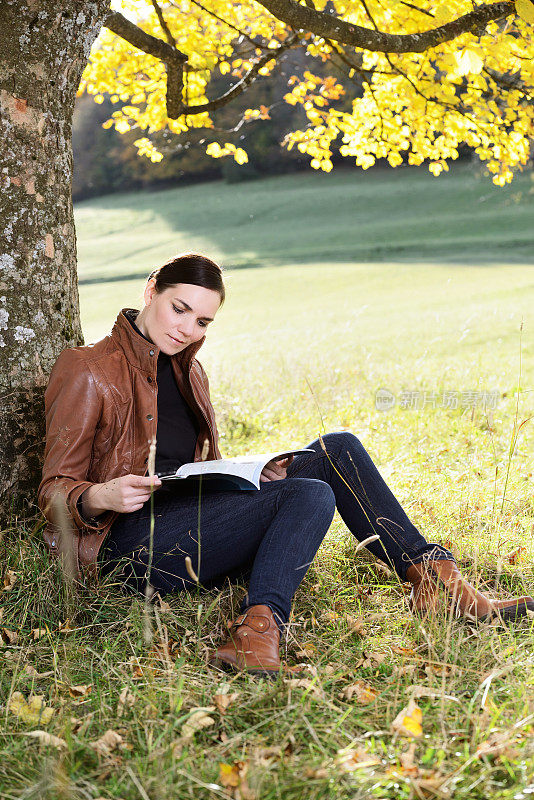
[[101, 413]]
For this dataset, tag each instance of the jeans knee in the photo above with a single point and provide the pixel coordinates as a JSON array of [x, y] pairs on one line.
[[317, 494], [341, 440]]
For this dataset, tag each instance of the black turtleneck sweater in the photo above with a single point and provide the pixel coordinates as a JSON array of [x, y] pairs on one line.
[[178, 427]]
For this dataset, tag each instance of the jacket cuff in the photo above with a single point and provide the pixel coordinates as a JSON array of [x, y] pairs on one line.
[[75, 509]]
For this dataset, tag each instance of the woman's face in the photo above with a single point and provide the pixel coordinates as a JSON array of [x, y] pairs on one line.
[[177, 316]]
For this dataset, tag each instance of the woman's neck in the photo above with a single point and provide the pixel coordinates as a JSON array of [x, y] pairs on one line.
[[141, 326]]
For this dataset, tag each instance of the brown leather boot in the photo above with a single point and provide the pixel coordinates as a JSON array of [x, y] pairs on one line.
[[253, 644], [428, 578]]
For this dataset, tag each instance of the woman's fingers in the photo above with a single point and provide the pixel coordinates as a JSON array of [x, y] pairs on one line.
[[137, 481], [285, 462], [271, 475], [276, 468]]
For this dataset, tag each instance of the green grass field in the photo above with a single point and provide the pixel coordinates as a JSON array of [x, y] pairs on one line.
[[338, 285]]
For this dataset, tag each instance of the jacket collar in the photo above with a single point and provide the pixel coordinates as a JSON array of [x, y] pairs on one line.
[[139, 351]]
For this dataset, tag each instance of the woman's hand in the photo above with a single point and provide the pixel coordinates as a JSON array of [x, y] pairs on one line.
[[124, 495], [276, 470]]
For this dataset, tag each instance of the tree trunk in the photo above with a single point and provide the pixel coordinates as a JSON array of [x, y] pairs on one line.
[[44, 47]]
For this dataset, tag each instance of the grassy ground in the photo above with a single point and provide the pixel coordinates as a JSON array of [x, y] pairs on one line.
[[300, 348]]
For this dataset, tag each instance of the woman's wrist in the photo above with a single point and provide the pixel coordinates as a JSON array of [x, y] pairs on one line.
[[93, 501]]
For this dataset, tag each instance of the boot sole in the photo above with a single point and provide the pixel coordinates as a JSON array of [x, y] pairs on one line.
[[511, 613], [506, 615], [227, 666]]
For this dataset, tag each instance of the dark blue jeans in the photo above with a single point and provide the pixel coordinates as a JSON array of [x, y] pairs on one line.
[[269, 536]]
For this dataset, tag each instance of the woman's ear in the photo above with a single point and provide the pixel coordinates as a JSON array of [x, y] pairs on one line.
[[150, 291]]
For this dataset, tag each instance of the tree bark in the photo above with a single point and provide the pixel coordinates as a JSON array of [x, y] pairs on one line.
[[44, 47]]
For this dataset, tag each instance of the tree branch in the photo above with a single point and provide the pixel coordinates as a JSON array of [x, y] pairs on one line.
[[161, 19], [302, 17], [508, 82], [261, 46], [173, 59], [244, 83], [175, 62]]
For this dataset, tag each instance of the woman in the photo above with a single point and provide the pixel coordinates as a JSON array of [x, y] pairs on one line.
[[106, 402]]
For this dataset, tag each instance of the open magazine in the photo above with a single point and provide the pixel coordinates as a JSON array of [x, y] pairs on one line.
[[239, 472]]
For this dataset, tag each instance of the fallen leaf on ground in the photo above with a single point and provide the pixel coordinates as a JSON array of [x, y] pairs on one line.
[[30, 671], [7, 636], [517, 556], [307, 651], [32, 711], [82, 690], [234, 778], [383, 569], [108, 742], [305, 683], [372, 658], [264, 755], [38, 633], [10, 579], [417, 691], [165, 649], [498, 744], [353, 759], [65, 627], [76, 723], [407, 760], [126, 700], [340, 669], [47, 738], [200, 718], [138, 669], [321, 772], [360, 690], [356, 625], [408, 721], [330, 616], [223, 698], [406, 669], [229, 775], [404, 651], [431, 669]]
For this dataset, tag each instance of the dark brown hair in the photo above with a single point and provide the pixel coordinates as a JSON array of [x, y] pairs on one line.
[[190, 268]]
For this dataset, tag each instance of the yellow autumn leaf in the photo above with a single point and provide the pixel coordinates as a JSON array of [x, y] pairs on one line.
[[234, 777], [525, 9], [229, 775], [469, 61], [32, 711], [408, 722], [443, 14], [214, 150], [240, 156]]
